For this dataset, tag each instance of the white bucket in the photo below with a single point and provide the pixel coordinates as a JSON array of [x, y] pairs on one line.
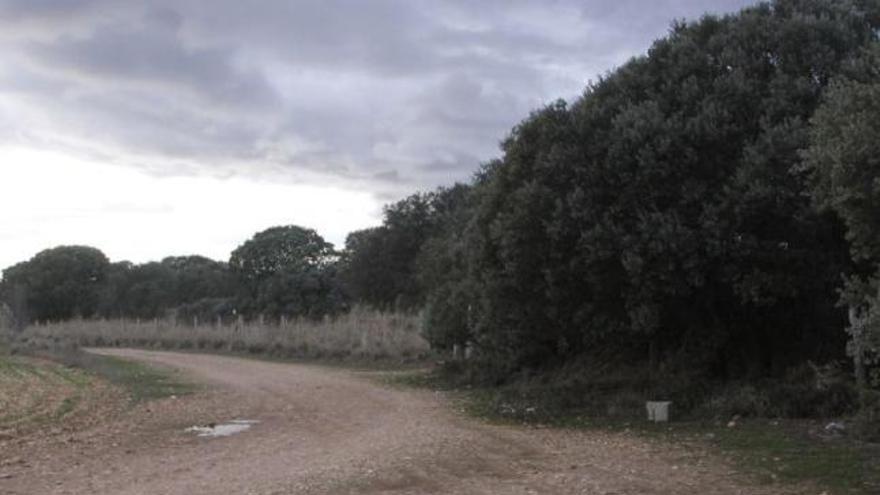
[[658, 411]]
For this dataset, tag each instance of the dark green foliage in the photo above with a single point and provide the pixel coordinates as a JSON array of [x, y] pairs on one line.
[[844, 155], [197, 278], [56, 284], [367, 271], [844, 164], [443, 275], [277, 249], [801, 393], [380, 265], [309, 291], [663, 213], [138, 291], [287, 272], [283, 271], [151, 290]]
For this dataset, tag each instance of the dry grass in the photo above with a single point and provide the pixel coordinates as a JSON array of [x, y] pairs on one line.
[[360, 334]]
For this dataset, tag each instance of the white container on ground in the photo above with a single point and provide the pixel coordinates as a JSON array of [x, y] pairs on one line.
[[658, 411]]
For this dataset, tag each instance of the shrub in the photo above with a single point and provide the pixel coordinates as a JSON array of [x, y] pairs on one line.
[[804, 392]]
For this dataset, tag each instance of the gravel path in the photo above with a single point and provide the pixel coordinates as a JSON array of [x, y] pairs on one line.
[[324, 430]]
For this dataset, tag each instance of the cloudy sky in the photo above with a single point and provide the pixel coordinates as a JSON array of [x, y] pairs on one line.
[[184, 126]]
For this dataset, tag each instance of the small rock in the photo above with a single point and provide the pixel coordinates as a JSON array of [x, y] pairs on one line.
[[836, 428]]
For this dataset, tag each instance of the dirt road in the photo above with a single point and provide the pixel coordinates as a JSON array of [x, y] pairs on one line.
[[325, 430]]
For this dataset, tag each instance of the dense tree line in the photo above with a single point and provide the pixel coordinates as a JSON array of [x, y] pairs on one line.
[[381, 265], [709, 206], [671, 215], [281, 272]]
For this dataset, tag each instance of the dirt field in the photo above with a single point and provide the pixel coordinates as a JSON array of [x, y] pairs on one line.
[[325, 430]]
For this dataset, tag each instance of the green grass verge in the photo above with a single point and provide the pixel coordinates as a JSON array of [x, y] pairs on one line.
[[142, 382], [787, 452]]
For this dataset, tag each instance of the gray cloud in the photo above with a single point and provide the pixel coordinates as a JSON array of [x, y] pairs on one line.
[[387, 95]]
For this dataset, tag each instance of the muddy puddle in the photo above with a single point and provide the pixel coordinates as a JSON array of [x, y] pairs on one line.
[[223, 429]]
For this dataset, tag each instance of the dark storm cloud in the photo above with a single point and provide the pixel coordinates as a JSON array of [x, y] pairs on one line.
[[386, 94]]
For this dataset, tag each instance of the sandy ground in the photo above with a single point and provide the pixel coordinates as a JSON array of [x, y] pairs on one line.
[[324, 430]]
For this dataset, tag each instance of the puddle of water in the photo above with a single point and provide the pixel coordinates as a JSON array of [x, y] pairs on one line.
[[223, 429]]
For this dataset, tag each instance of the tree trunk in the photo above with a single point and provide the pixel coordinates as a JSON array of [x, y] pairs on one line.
[[857, 325]]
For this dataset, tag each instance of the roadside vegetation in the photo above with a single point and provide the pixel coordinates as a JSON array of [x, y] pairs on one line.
[[770, 449], [359, 335]]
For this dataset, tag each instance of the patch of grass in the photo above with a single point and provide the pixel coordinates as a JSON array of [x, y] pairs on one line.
[[67, 406], [78, 369], [785, 451], [773, 451], [142, 382]]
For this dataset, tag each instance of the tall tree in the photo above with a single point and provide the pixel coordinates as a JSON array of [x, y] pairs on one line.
[[57, 284], [280, 248], [381, 263], [287, 271], [664, 213], [844, 160]]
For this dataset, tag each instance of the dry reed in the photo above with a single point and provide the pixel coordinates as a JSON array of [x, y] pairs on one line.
[[360, 333]]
